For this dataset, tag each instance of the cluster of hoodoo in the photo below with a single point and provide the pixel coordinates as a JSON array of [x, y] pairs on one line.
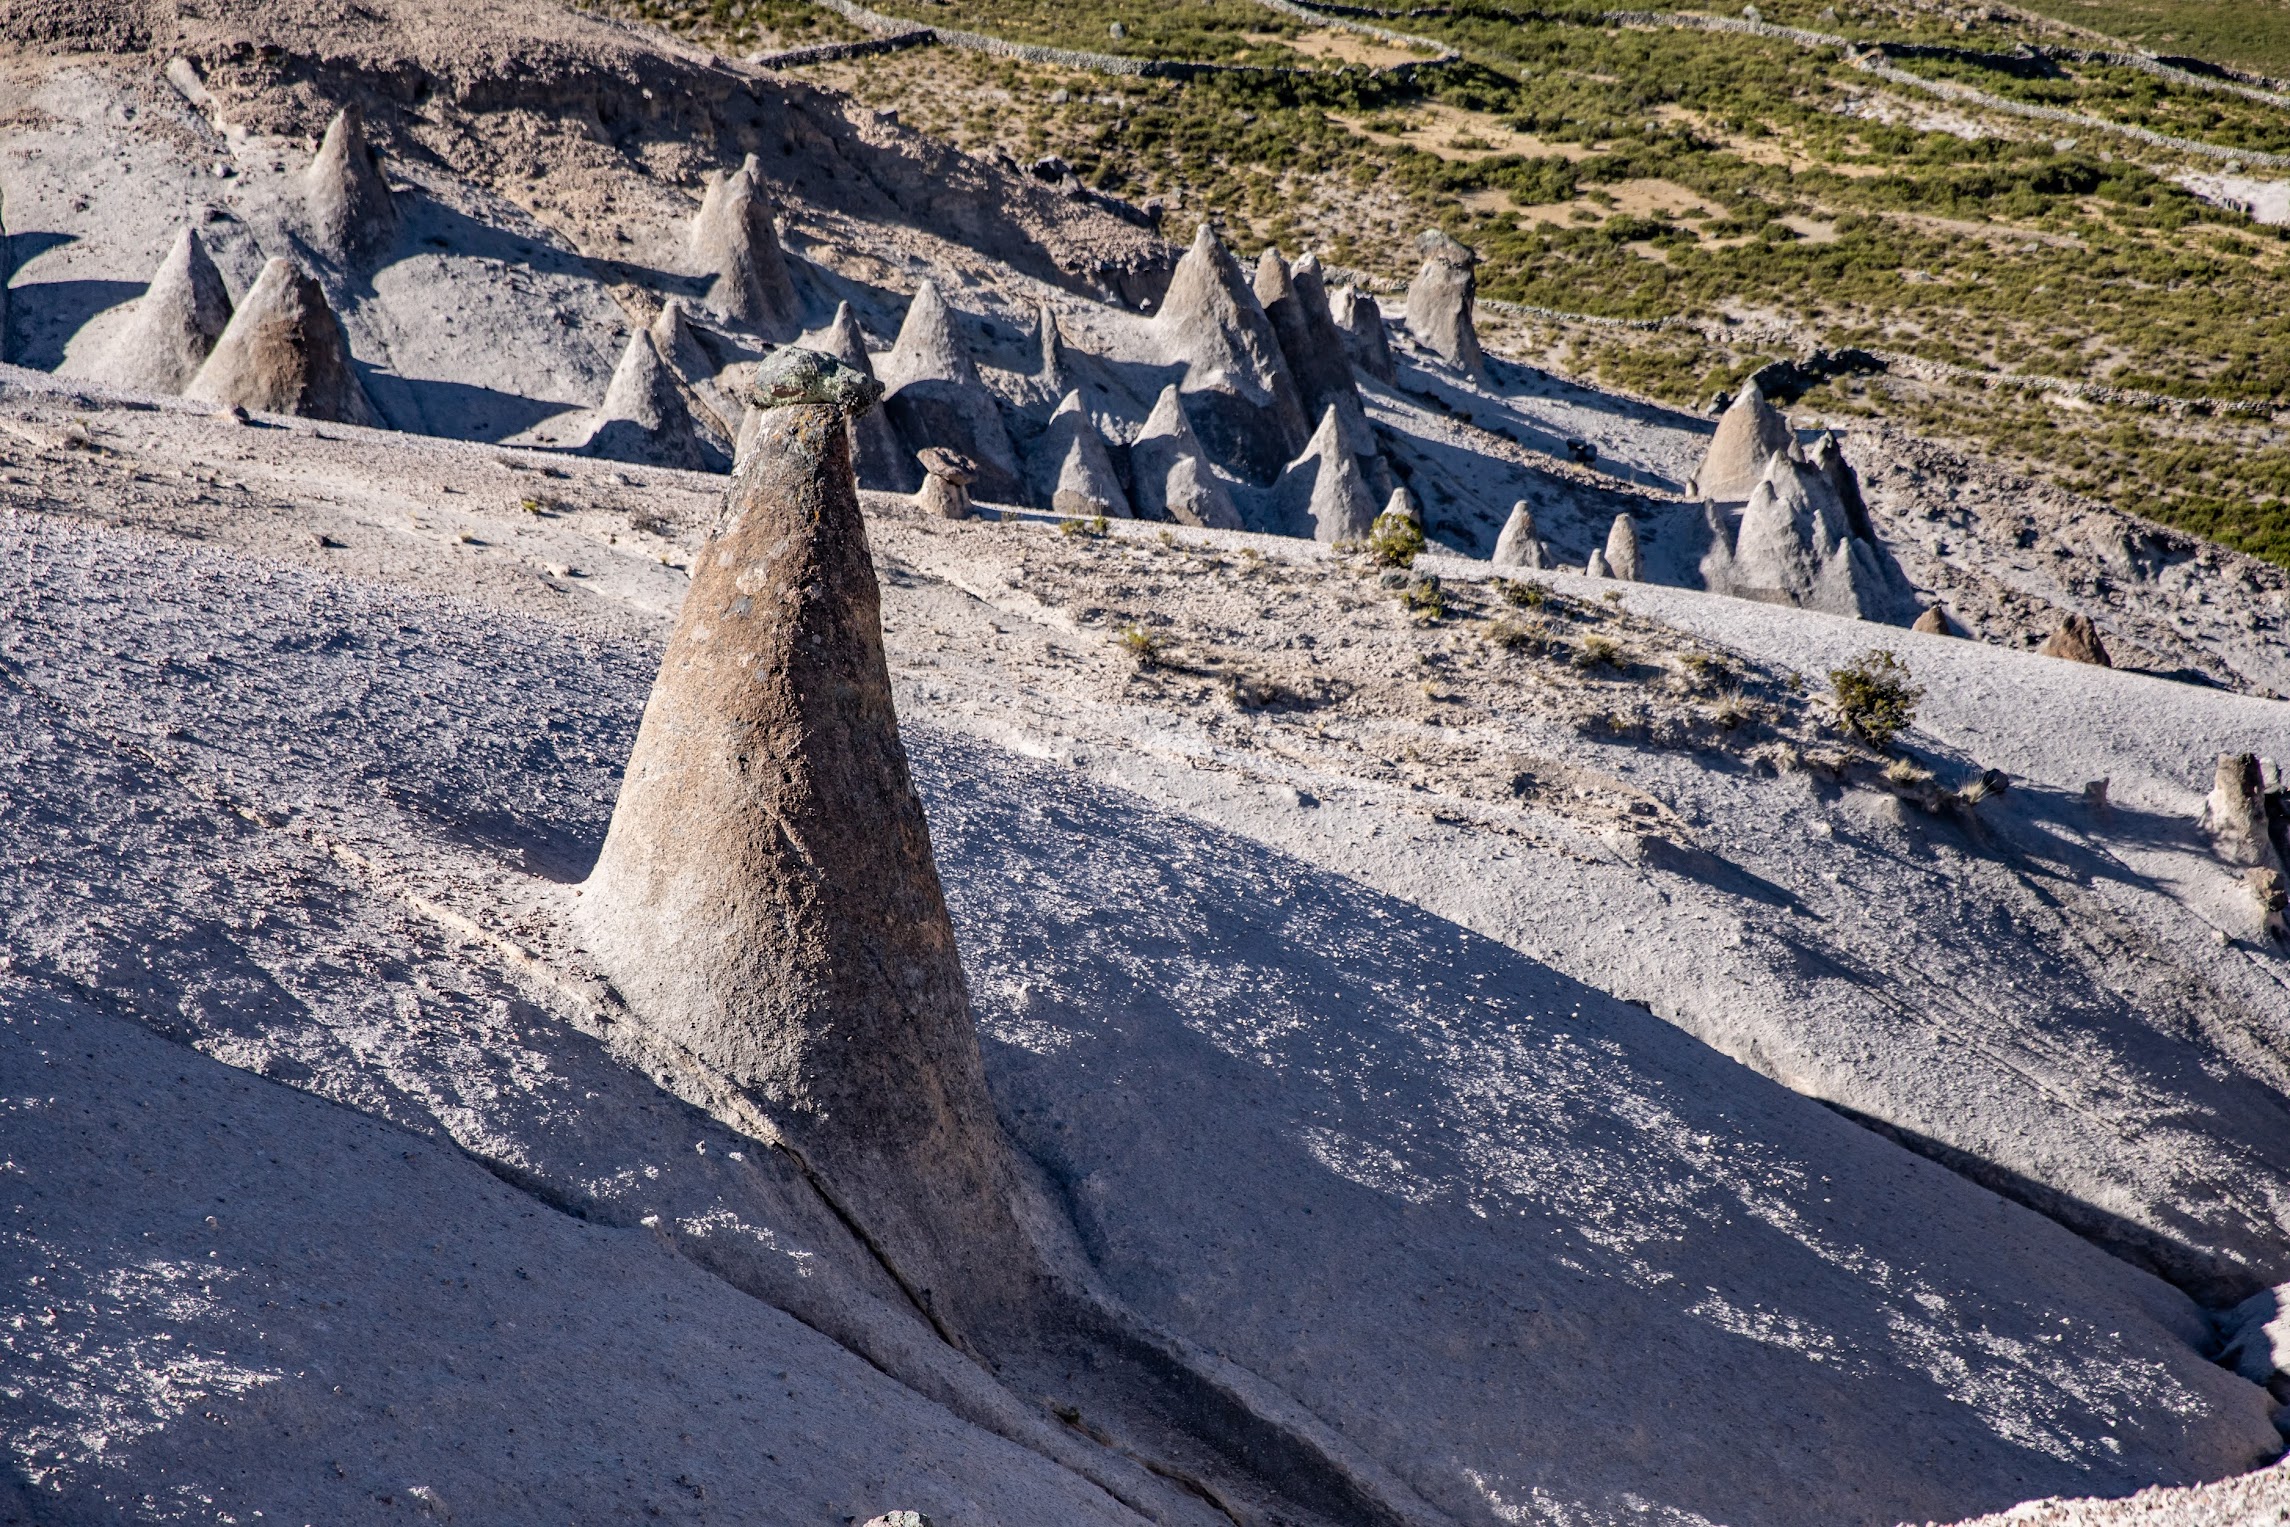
[[1361, 322], [1237, 387], [652, 412], [935, 398], [1072, 469], [1439, 303], [1619, 558], [1171, 470], [1803, 535]]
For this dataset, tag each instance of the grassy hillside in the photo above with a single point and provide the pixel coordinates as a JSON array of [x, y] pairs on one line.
[[1760, 195], [2247, 34]]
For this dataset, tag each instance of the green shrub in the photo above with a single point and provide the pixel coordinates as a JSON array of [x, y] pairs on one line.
[[1596, 651], [1141, 644], [1423, 597], [1395, 540], [1873, 697]]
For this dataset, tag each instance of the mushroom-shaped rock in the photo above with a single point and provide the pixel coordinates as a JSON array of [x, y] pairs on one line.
[[1622, 550], [1748, 434], [946, 480], [1237, 386], [1297, 303], [2077, 640], [766, 902], [1932, 622], [1794, 545], [1072, 470], [1361, 321], [346, 203], [175, 323], [1596, 567], [1439, 302], [2235, 814], [1171, 471], [875, 452], [649, 416], [1518, 546], [935, 397], [283, 353], [734, 241], [1322, 491]]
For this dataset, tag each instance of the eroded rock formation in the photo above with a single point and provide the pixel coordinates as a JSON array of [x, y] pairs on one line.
[[1518, 546], [936, 397], [347, 209], [1622, 559], [1748, 434], [1361, 322], [283, 352], [946, 480], [734, 241], [2077, 640], [1439, 303], [1170, 471], [1237, 389], [875, 452], [1322, 494], [1072, 470], [176, 322], [648, 415]]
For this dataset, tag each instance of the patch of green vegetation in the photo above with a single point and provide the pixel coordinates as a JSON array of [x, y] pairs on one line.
[[2249, 34], [1874, 698], [1198, 31]]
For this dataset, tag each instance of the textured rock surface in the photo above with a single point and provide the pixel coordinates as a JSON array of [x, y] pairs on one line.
[[2078, 641], [934, 397], [735, 242], [1439, 303], [1748, 434], [1237, 388]]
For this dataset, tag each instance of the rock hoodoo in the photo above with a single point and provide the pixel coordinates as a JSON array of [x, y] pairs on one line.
[[1237, 388], [875, 452], [647, 415], [1622, 559], [1072, 470], [1361, 322], [1055, 376], [1402, 503], [946, 480], [2077, 640], [1322, 493], [1932, 622], [1518, 546], [716, 415], [1297, 303], [766, 899], [1596, 567], [1748, 434], [2235, 815], [283, 353], [1439, 302], [1171, 473], [175, 324], [734, 241], [347, 209], [936, 397]]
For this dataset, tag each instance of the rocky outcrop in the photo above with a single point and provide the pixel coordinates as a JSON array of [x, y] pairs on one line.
[[283, 352], [1170, 471], [1072, 469], [734, 242], [648, 416], [1518, 546], [766, 900], [1361, 321], [175, 323], [1748, 434], [714, 411], [1439, 303], [1795, 546], [2076, 640], [875, 452], [1237, 388], [1402, 503], [946, 480], [936, 398], [1932, 622], [1622, 559], [2235, 815], [1322, 494], [348, 214], [1597, 567], [1055, 375]]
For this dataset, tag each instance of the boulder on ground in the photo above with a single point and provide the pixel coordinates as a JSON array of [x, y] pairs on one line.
[[1171, 474], [1748, 434], [875, 452], [1439, 302], [348, 213], [1932, 622], [766, 900], [649, 416], [946, 480], [1518, 546], [1361, 321], [1072, 469], [2077, 640], [1322, 492], [937, 398], [734, 241], [1237, 387], [175, 323], [1622, 557], [283, 352], [2235, 814]]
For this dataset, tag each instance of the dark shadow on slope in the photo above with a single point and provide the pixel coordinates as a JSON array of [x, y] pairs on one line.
[[44, 315]]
